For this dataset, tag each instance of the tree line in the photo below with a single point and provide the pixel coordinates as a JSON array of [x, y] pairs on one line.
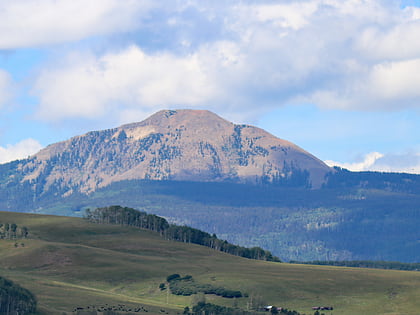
[[132, 217], [15, 300], [13, 231], [203, 308], [187, 286], [213, 309], [395, 265]]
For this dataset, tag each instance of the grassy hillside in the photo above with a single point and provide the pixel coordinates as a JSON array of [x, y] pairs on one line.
[[68, 262]]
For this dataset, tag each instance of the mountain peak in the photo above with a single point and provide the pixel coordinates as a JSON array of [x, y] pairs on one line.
[[165, 118], [193, 145]]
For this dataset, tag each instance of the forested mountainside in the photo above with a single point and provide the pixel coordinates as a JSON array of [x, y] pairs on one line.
[[351, 223]]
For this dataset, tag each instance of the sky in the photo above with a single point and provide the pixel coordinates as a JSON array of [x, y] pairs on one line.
[[339, 78]]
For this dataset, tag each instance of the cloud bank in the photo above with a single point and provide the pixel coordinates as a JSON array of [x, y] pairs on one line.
[[32, 23], [19, 150], [353, 55]]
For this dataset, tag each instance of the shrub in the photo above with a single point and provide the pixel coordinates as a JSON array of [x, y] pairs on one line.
[[172, 277]]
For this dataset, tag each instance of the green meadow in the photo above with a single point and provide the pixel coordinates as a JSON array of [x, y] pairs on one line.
[[69, 263]]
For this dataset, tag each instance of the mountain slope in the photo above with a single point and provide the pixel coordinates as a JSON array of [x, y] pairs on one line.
[[194, 145]]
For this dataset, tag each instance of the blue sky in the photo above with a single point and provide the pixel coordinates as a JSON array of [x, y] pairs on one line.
[[340, 78]]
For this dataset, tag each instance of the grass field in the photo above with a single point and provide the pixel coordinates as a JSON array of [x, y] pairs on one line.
[[68, 262]]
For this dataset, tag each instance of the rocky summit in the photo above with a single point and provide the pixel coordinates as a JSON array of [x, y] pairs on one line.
[[190, 145]]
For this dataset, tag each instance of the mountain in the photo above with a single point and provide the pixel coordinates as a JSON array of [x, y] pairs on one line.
[[186, 145], [237, 181]]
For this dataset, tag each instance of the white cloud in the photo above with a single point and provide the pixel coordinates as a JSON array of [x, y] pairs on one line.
[[20, 150], [396, 80], [27, 23], [292, 15], [401, 42], [384, 86], [91, 87], [375, 161], [5, 87], [349, 54], [259, 56], [364, 165], [415, 12]]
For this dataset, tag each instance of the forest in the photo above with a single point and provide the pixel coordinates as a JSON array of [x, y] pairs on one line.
[[132, 217], [15, 300], [347, 219]]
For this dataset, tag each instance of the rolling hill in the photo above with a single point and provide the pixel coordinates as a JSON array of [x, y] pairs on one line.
[[69, 263]]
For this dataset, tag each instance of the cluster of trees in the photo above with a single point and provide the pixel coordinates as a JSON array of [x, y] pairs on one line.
[[13, 231], [395, 265], [188, 234], [203, 308], [284, 311], [187, 286], [15, 300], [108, 309], [291, 176], [127, 216], [132, 217]]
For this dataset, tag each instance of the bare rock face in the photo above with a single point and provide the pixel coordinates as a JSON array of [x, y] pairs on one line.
[[194, 145]]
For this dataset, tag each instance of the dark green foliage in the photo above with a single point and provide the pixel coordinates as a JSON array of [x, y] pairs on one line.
[[190, 235], [285, 311], [13, 231], [395, 265], [15, 300], [397, 182], [127, 216], [291, 177], [187, 286], [132, 217], [108, 309], [213, 309], [172, 277]]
